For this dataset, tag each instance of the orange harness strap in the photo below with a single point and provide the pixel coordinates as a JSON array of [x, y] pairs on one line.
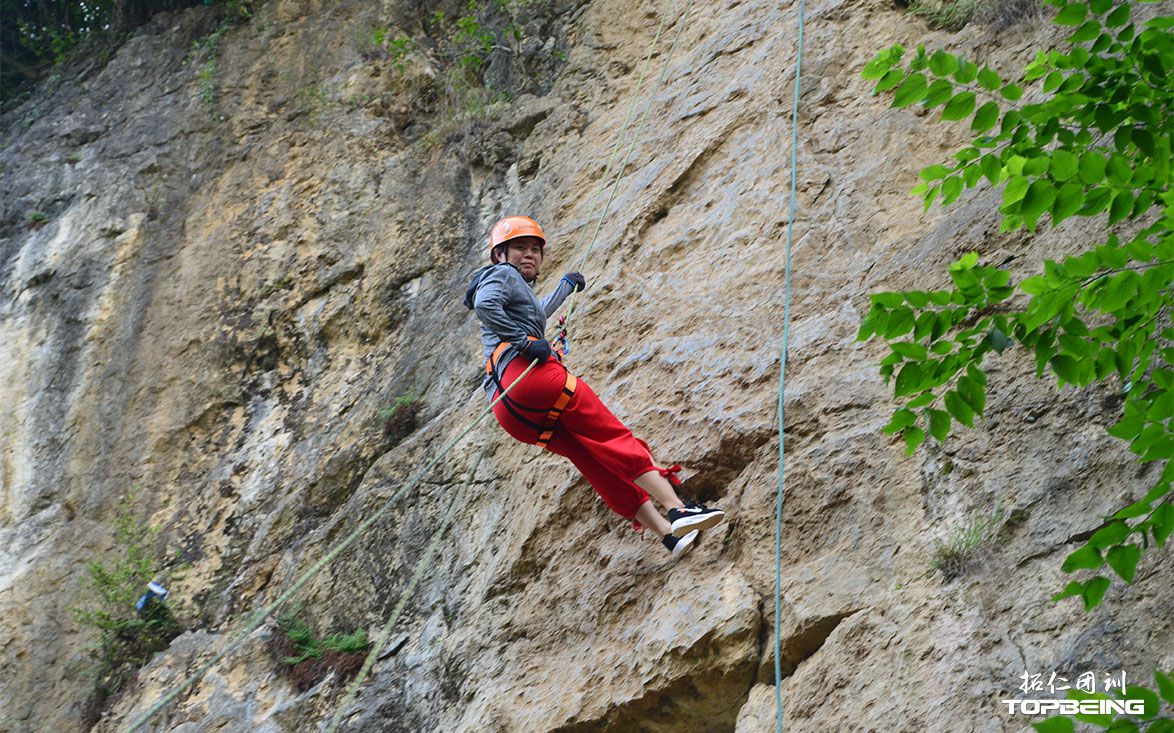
[[559, 405], [546, 430]]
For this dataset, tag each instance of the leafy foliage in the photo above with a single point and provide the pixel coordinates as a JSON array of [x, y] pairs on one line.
[[306, 660], [1096, 144], [1151, 720], [36, 36], [127, 639], [309, 646], [953, 556]]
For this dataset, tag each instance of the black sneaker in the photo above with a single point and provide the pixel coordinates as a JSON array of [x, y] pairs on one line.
[[680, 545], [694, 516]]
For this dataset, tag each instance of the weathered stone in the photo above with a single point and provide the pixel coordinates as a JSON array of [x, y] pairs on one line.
[[226, 296]]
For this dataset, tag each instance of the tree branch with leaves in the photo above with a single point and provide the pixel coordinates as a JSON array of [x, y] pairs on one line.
[[1082, 132]]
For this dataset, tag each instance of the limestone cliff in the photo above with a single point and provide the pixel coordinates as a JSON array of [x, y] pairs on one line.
[[226, 294]]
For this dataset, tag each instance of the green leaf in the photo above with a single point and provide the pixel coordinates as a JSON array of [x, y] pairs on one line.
[[914, 437], [1012, 92], [901, 419], [1068, 201], [1016, 189], [938, 92], [1071, 14], [1054, 724], [891, 79], [991, 167], [1074, 588], [1165, 686], [1092, 168], [942, 63], [1143, 139], [910, 350], [1119, 170], [959, 408], [1086, 32], [934, 172], [1038, 199], [959, 107], [966, 72], [1163, 523], [1085, 558], [1064, 165], [1110, 534], [1074, 371], [951, 190], [1150, 700], [1118, 17], [900, 322], [1117, 292], [908, 380], [1158, 491], [1121, 207], [1094, 592], [1036, 166], [939, 424], [1123, 559], [986, 117], [973, 393], [1136, 509], [921, 401], [877, 67], [912, 90], [988, 79]]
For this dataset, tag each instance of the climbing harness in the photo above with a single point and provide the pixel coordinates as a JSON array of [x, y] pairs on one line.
[[261, 614], [551, 414], [783, 370]]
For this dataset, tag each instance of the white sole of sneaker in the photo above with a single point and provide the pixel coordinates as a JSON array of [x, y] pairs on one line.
[[684, 544], [685, 525]]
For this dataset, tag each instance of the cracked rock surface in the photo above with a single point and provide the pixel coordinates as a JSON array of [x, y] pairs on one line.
[[226, 299]]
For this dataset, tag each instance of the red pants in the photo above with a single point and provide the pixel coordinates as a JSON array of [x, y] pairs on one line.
[[604, 451]]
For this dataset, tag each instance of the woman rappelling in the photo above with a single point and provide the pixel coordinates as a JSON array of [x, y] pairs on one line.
[[555, 410]]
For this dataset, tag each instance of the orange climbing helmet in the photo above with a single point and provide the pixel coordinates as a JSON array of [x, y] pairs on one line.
[[513, 227]]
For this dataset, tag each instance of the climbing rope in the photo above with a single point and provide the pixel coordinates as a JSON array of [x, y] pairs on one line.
[[261, 614], [783, 371], [422, 565], [566, 317]]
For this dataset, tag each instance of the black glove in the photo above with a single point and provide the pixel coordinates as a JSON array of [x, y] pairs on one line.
[[539, 350], [575, 279]]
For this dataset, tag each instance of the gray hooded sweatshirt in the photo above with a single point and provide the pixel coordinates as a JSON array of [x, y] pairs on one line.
[[509, 311]]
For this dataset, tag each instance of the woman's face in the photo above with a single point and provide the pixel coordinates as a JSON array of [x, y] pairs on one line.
[[526, 254]]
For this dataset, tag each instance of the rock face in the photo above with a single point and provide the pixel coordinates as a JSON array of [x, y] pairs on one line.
[[226, 294]]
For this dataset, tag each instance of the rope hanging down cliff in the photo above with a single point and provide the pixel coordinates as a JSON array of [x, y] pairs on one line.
[[377, 648], [261, 614], [783, 370]]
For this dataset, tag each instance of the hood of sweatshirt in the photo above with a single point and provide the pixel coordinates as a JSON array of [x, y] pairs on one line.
[[478, 276]]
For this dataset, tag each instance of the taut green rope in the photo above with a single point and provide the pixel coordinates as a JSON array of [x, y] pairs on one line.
[[422, 565], [782, 373]]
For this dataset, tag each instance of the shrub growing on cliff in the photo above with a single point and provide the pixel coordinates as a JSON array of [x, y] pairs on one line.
[[1097, 143], [305, 659], [399, 420], [127, 639]]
